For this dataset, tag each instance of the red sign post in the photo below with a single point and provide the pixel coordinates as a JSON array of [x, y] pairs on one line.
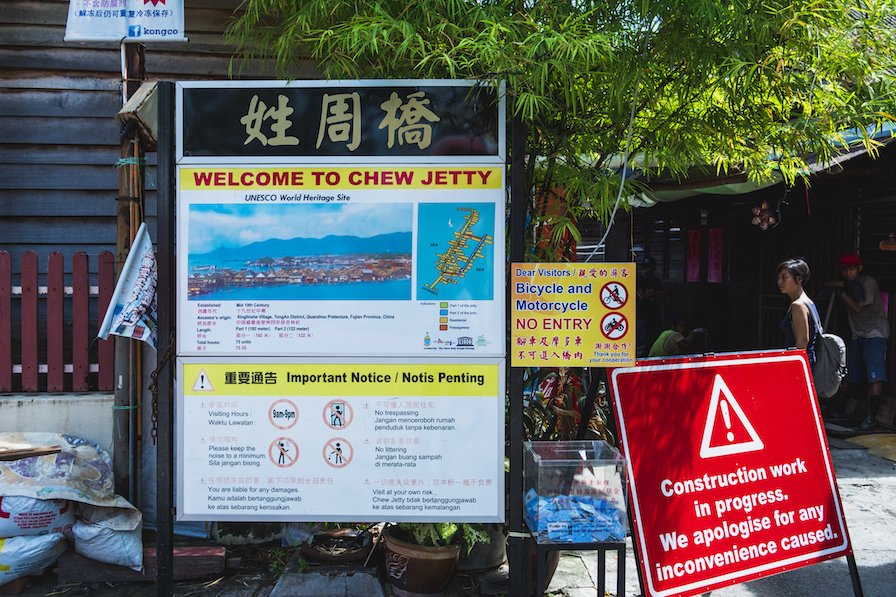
[[730, 476]]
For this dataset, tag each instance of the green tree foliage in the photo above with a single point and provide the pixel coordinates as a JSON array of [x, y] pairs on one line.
[[752, 86]]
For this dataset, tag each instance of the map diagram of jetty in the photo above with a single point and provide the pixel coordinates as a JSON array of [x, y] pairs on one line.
[[456, 251]]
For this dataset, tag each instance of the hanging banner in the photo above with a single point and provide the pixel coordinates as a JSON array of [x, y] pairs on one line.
[[694, 256], [125, 20], [270, 439], [331, 254], [132, 309], [714, 249], [572, 314]]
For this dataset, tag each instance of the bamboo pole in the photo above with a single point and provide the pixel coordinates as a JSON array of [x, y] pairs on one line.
[[129, 214]]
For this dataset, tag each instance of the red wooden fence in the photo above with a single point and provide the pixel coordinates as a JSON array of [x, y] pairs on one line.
[[46, 332]]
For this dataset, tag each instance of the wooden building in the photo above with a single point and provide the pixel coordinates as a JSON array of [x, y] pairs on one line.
[[60, 149], [719, 267], [60, 165]]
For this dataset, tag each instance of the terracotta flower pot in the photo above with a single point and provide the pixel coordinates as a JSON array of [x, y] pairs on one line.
[[415, 570]]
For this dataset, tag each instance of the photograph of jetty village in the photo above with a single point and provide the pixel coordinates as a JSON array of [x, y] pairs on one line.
[[300, 251]]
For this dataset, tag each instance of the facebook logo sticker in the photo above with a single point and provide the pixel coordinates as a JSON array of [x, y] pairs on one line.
[[133, 30]]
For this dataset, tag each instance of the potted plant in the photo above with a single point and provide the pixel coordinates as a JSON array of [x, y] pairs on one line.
[[554, 399], [339, 543], [421, 557]]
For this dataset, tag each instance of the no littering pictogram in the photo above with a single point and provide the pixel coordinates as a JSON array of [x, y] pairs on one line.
[[338, 452]]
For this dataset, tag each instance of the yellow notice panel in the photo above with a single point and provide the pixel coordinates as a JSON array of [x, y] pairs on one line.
[[271, 439], [573, 314], [327, 379]]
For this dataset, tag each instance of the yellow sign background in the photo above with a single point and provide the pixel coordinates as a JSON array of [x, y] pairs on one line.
[[342, 379], [572, 314], [346, 179]]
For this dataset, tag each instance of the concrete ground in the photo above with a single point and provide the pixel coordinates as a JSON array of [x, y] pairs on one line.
[[867, 484]]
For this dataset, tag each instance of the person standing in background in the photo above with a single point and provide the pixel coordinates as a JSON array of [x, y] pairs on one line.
[[648, 312], [866, 351], [798, 325]]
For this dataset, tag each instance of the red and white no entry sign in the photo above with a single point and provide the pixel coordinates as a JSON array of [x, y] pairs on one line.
[[730, 477]]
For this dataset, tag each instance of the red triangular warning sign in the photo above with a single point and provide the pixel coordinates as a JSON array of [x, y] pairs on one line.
[[726, 424]]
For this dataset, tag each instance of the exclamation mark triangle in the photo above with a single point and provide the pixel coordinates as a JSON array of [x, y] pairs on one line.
[[726, 406], [203, 383]]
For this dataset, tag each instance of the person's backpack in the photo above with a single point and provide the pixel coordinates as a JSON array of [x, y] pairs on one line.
[[830, 360]]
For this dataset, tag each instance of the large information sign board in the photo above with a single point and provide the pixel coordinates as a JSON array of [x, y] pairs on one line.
[[273, 439], [350, 218], [340, 305], [730, 476]]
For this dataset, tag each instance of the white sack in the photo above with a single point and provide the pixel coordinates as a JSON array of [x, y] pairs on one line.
[[21, 556], [21, 515], [112, 546]]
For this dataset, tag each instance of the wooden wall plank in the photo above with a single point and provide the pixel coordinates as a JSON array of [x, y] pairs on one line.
[[10, 79], [170, 65], [62, 202], [52, 155], [72, 104], [55, 323], [19, 11], [29, 322], [106, 349], [195, 60], [31, 35], [186, 66], [5, 322], [63, 176], [60, 231], [80, 323], [74, 59], [59, 131]]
